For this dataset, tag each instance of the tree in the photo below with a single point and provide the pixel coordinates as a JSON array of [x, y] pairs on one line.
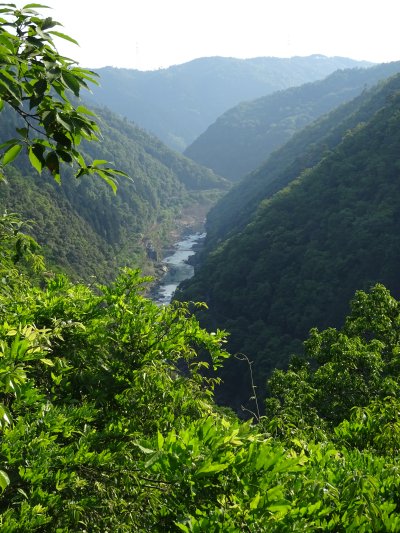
[[43, 88], [342, 369]]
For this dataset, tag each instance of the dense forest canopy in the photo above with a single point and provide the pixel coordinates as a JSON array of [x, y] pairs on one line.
[[300, 153], [107, 412], [102, 428], [329, 230]]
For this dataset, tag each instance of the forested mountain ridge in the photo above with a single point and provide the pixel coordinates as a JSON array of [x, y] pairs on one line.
[[244, 136], [178, 103], [304, 150], [85, 229], [333, 229]]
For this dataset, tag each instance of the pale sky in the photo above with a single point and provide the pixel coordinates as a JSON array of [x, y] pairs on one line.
[[152, 34]]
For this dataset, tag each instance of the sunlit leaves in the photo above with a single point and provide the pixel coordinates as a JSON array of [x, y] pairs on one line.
[[11, 154], [4, 480], [108, 424], [342, 369], [63, 36], [36, 159], [37, 83], [5, 416]]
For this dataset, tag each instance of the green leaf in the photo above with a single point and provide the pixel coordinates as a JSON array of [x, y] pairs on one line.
[[153, 459], [71, 82], [12, 88], [6, 10], [48, 23], [120, 173], [34, 6], [62, 140], [63, 122], [143, 449], [63, 36], [82, 172], [64, 155], [40, 87], [275, 493], [5, 416], [108, 179], [34, 41], [23, 132], [35, 162], [4, 480], [160, 440], [84, 110], [182, 527], [11, 154], [8, 41], [53, 164], [48, 362], [211, 468], [254, 502]]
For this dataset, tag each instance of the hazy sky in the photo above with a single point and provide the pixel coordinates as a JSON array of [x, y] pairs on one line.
[[151, 34]]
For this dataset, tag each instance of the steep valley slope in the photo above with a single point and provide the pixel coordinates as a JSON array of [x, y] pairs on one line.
[[321, 220]]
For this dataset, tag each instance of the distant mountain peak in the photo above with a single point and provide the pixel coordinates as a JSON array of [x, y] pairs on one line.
[[178, 103]]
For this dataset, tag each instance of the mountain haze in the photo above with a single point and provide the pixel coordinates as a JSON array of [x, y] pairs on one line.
[[178, 103], [243, 137], [301, 152]]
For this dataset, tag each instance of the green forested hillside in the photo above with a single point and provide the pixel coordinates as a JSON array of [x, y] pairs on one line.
[[85, 228], [243, 137], [332, 230], [178, 103], [303, 151]]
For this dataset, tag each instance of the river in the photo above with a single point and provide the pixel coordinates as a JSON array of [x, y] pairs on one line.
[[178, 268]]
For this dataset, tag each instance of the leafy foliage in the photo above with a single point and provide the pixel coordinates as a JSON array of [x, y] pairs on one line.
[[72, 364], [107, 422], [36, 81], [342, 369]]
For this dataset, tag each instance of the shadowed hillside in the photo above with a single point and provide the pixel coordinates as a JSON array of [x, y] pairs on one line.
[[326, 228]]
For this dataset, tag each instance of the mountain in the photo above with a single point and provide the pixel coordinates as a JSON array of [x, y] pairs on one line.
[[243, 137], [83, 227], [321, 221], [302, 151], [178, 103]]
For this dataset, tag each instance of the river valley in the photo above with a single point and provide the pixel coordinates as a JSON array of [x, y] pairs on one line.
[[177, 267]]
